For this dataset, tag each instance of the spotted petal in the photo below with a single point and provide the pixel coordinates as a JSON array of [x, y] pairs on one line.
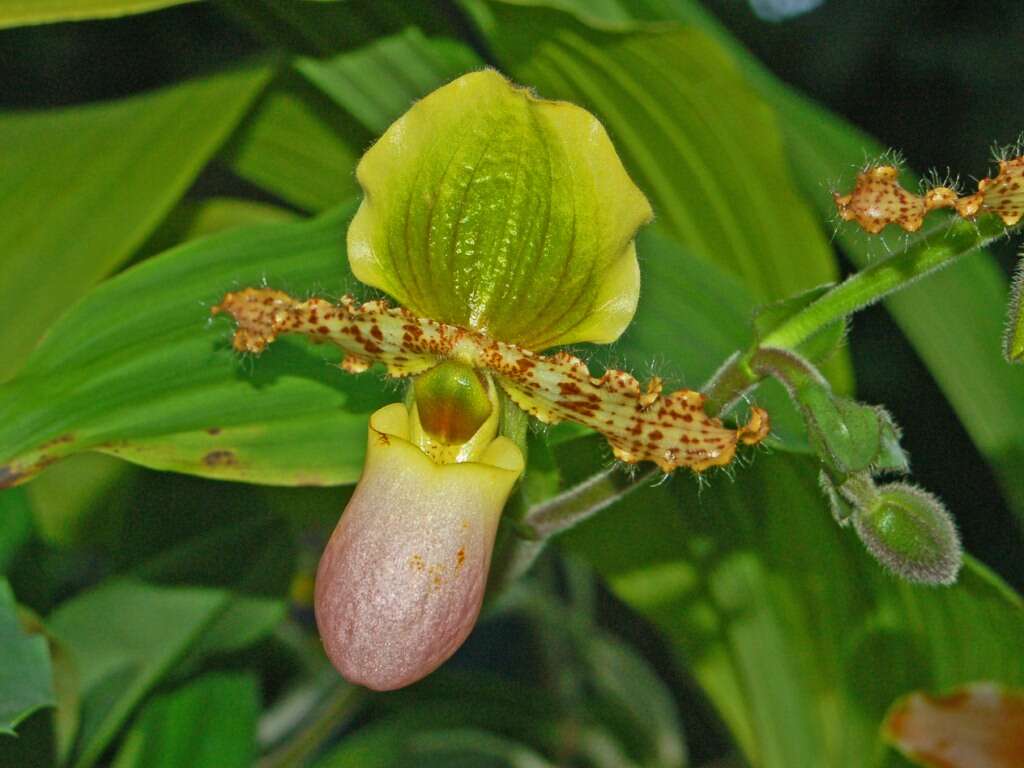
[[878, 199], [640, 423]]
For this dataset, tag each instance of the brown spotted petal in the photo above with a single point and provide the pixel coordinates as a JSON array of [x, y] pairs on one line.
[[878, 199], [640, 423], [400, 584], [978, 726]]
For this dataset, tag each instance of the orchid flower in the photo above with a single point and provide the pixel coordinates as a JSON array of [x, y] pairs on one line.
[[503, 224]]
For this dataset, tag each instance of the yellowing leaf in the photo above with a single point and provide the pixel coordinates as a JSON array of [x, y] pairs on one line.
[[978, 726], [493, 210]]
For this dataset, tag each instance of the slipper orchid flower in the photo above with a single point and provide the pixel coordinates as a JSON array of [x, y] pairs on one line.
[[503, 224]]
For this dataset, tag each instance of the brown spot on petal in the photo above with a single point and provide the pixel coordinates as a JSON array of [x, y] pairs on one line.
[[878, 200]]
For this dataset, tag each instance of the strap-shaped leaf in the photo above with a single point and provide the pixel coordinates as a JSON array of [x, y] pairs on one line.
[[490, 209], [22, 12], [63, 174], [639, 423]]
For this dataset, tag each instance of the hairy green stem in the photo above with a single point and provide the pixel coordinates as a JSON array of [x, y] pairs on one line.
[[927, 254]]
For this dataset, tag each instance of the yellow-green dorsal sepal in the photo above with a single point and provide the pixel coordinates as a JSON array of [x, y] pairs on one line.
[[488, 208]]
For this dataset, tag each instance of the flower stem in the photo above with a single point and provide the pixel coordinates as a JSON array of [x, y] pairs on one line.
[[927, 254], [891, 274]]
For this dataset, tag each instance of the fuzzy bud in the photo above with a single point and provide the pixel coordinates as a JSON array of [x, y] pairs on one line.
[[910, 532]]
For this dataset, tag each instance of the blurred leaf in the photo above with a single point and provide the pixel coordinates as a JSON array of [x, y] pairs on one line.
[[604, 682], [34, 746], [298, 146], [800, 666], [448, 700], [26, 677], [380, 81], [700, 143], [468, 748], [14, 13], [144, 374], [254, 557], [67, 704], [636, 701], [325, 28], [15, 525], [63, 171], [192, 219], [209, 723], [978, 726], [66, 494], [124, 637]]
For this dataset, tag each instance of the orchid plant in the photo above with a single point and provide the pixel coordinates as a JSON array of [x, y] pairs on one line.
[[504, 224], [540, 296]]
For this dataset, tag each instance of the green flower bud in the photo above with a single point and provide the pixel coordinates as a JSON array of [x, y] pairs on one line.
[[910, 532]]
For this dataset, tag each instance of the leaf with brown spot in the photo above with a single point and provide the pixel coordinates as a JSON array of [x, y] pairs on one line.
[[162, 386]]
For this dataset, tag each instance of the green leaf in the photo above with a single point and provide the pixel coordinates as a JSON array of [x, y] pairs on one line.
[[699, 141], [491, 209], [193, 219], [15, 526], [26, 678], [209, 723], [801, 667], [15, 13], [380, 81], [468, 748], [64, 171], [123, 638], [297, 145], [144, 374], [326, 28], [449, 700]]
